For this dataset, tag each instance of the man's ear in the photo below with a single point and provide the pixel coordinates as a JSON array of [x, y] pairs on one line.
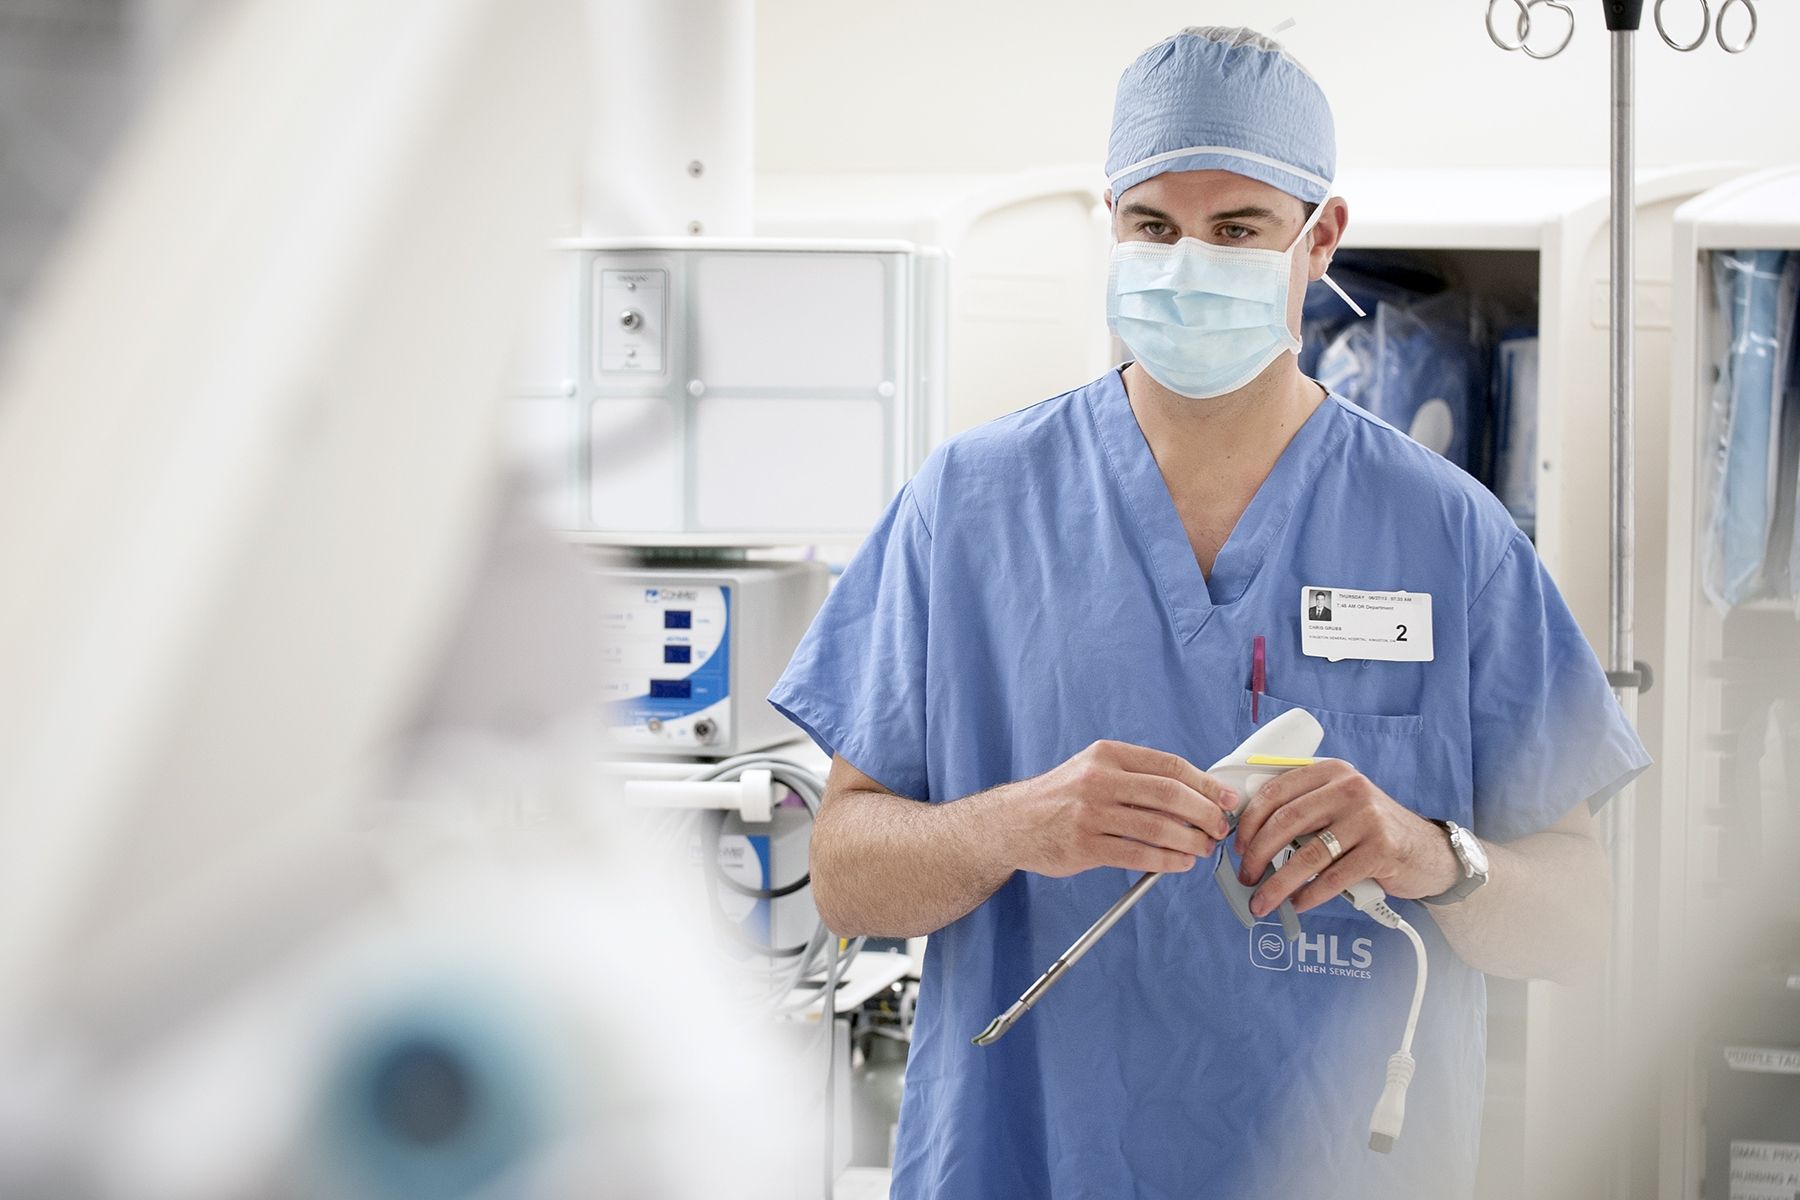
[[1108, 197], [1339, 216], [1326, 227]]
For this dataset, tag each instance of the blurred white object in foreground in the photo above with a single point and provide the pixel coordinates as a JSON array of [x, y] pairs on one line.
[[247, 467]]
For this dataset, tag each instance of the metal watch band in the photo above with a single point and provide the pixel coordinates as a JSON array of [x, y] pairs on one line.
[[1463, 888]]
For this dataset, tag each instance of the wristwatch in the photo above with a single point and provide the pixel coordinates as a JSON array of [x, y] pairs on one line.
[[1474, 860]]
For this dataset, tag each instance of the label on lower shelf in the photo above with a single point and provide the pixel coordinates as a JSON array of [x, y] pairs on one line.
[[1766, 1060], [1765, 1170]]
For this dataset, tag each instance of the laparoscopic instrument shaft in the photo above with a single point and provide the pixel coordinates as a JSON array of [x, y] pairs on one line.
[[1005, 1021]]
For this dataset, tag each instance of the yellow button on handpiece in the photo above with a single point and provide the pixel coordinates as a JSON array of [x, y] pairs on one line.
[[1276, 760]]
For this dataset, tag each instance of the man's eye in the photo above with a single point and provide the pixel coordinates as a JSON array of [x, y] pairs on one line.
[[1155, 229], [1236, 233]]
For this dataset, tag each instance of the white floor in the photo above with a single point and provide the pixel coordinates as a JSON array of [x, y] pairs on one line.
[[863, 1183]]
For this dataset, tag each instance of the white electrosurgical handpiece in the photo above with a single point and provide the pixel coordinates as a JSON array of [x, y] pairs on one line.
[[1286, 742], [1248, 763], [1293, 735]]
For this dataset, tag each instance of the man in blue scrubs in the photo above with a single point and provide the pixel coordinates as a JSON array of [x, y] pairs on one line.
[[1056, 620]]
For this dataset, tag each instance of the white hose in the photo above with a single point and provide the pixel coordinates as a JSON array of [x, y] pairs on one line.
[[819, 953], [1390, 1110]]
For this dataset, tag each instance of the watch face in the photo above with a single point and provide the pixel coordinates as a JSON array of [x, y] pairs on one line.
[[1472, 852]]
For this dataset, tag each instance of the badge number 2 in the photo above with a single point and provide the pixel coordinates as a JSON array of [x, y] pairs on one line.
[[1342, 623]]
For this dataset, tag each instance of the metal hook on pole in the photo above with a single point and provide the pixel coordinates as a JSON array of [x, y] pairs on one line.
[[1719, 27], [1568, 32], [1524, 25], [1699, 38], [1711, 24]]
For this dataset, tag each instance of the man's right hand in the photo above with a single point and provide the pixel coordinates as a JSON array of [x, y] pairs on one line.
[[1119, 805]]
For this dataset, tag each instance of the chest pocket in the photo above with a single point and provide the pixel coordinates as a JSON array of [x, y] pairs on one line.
[[1388, 749]]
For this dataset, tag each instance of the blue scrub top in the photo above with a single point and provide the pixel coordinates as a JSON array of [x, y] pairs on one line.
[[1033, 590]]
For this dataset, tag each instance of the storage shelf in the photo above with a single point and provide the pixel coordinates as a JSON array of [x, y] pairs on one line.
[[1710, 677], [1760, 211], [1462, 210]]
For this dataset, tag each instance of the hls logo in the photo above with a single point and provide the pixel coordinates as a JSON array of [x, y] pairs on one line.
[[1311, 953]]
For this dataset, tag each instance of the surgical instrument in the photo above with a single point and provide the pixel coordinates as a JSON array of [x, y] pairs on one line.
[[1249, 768], [1295, 733], [1709, 24]]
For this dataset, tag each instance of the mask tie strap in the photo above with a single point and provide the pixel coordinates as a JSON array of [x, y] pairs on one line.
[[1331, 283], [1319, 211]]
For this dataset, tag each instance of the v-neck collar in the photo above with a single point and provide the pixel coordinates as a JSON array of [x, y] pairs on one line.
[[1187, 593]]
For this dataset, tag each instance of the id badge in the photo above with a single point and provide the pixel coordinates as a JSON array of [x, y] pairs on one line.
[[1338, 623]]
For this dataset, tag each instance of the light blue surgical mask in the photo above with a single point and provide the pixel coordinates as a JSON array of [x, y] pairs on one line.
[[1204, 320]]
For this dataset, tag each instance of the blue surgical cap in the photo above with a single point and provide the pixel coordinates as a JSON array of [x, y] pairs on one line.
[[1222, 99]]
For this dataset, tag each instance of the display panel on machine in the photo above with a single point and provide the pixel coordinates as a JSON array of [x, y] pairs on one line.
[[671, 679]]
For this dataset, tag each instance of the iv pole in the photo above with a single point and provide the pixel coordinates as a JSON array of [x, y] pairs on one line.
[[1628, 677]]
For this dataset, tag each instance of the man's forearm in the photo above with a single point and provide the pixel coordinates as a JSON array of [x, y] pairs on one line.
[[1543, 914], [886, 866], [893, 867]]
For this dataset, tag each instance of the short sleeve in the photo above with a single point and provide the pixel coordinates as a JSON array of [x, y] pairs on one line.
[[1546, 731], [856, 683]]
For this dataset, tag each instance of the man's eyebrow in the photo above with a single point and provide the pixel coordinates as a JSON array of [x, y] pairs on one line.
[[1144, 210], [1252, 212], [1249, 212]]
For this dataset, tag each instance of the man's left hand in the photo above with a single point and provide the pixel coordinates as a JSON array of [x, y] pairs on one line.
[[1380, 839]]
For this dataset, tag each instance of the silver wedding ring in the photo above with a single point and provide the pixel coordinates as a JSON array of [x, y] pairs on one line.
[[1331, 843]]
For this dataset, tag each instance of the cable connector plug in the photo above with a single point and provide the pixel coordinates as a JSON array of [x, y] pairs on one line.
[[1367, 896], [1390, 1110]]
